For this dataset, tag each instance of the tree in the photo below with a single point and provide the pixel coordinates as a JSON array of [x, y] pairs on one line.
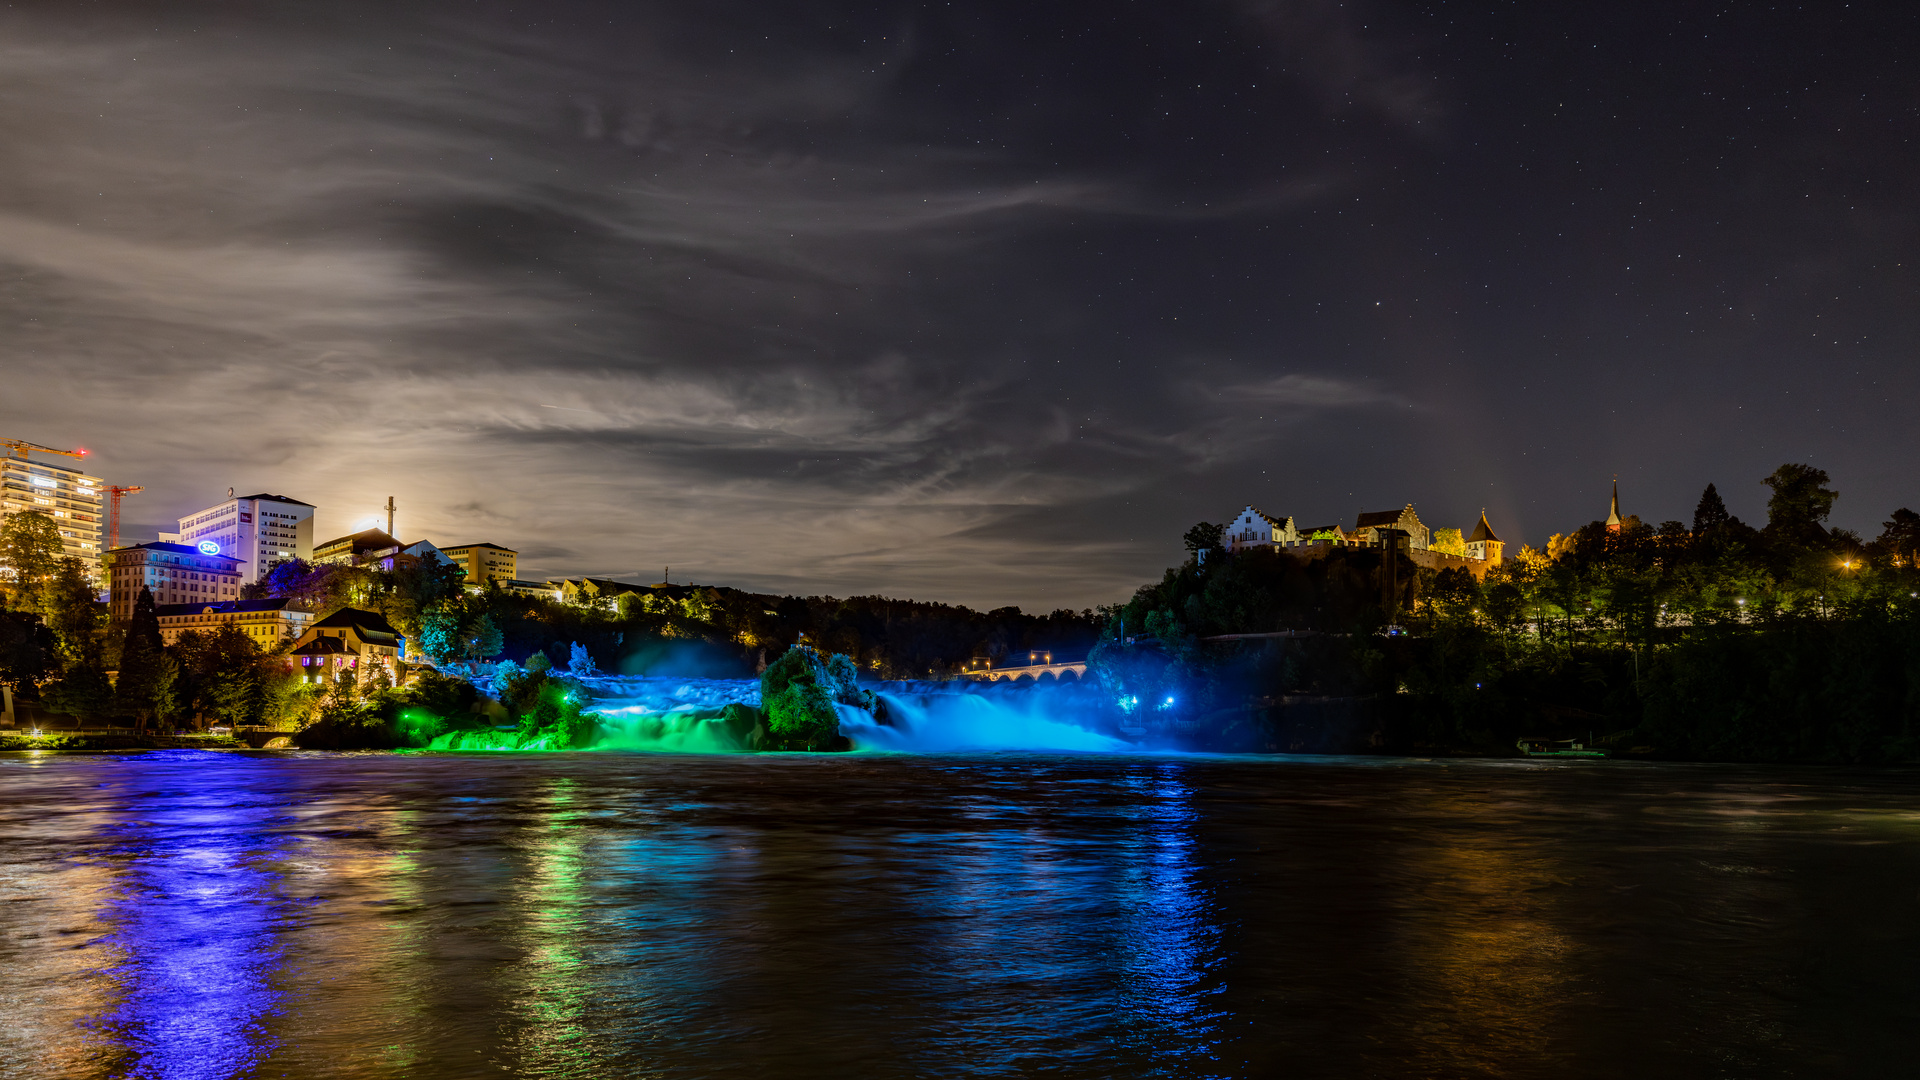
[[1204, 536], [227, 675], [1800, 502], [1449, 542], [440, 633], [1711, 511], [26, 651], [580, 661], [30, 549], [1901, 537], [481, 639], [307, 585], [72, 612], [83, 692], [147, 682]]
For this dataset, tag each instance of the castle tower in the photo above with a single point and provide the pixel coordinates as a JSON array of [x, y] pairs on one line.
[[1483, 544], [1614, 520]]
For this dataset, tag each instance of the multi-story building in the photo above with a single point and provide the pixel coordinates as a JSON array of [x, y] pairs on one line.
[[482, 563], [176, 573], [261, 531], [377, 548], [74, 500], [348, 639], [267, 622]]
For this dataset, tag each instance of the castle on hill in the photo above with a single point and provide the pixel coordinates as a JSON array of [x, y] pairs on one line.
[[1254, 528]]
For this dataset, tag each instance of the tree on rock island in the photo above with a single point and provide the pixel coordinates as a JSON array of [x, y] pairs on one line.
[[799, 693]]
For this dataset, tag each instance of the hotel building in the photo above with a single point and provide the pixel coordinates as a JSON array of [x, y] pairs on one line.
[[176, 573], [260, 531], [75, 501], [482, 563]]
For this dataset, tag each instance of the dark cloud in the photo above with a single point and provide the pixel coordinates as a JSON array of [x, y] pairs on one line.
[[982, 303]]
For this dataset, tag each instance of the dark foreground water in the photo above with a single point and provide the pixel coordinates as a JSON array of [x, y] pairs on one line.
[[213, 915]]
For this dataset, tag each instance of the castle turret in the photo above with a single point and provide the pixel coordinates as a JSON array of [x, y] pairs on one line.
[[1614, 520], [1483, 544]]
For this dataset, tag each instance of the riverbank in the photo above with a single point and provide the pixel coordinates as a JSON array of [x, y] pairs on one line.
[[117, 741]]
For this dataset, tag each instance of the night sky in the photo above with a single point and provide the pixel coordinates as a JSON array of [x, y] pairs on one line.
[[974, 302]]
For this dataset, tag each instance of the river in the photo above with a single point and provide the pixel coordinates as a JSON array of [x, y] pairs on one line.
[[209, 915]]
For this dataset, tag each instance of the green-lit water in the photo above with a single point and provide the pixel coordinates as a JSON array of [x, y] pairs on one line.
[[208, 915]]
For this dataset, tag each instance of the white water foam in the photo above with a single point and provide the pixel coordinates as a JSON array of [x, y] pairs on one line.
[[649, 713]]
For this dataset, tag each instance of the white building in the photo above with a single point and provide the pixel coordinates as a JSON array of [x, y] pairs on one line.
[[1255, 528], [176, 573], [75, 501], [261, 531]]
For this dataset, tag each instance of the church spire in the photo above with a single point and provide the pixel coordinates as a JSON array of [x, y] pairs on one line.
[[1614, 519]]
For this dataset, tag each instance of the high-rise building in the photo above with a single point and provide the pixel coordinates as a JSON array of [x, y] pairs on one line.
[[482, 563], [261, 531], [74, 500]]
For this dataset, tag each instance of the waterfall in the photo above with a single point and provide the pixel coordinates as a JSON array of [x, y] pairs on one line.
[[681, 715]]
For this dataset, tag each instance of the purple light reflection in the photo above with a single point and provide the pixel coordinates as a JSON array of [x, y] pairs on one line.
[[197, 917]]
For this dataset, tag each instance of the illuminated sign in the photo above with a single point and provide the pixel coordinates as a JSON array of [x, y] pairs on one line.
[[208, 547]]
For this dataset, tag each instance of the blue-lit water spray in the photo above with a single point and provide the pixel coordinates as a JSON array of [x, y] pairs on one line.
[[654, 713]]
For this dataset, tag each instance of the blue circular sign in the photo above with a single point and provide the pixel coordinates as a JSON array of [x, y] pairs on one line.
[[208, 547]]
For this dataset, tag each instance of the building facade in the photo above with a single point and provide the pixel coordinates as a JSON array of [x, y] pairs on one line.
[[176, 573], [1256, 528], [1485, 546], [1419, 537], [1253, 528], [349, 640], [482, 563], [74, 500], [267, 622], [376, 548], [261, 531]]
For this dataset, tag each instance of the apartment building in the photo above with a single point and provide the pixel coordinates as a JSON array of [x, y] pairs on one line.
[[74, 500], [261, 531], [482, 563]]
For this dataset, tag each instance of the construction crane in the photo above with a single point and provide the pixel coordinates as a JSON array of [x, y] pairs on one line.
[[113, 512], [18, 448]]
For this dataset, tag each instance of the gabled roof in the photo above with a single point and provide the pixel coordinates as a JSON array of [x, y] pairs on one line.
[[278, 498], [370, 625], [1384, 517], [1483, 531], [1276, 522], [496, 547]]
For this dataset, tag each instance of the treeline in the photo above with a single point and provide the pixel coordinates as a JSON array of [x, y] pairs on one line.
[[1711, 639]]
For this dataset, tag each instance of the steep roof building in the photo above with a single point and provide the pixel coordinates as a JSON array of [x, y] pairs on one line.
[[1483, 544], [1419, 536], [348, 639]]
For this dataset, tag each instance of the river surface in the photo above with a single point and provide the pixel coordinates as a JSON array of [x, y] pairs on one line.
[[209, 915]]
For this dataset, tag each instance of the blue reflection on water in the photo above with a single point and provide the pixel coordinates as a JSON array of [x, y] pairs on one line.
[[196, 917], [1170, 942]]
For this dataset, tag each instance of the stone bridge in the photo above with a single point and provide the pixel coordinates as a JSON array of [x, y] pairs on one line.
[[1076, 671]]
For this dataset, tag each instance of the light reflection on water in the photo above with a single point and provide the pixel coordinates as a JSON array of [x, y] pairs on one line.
[[209, 916]]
